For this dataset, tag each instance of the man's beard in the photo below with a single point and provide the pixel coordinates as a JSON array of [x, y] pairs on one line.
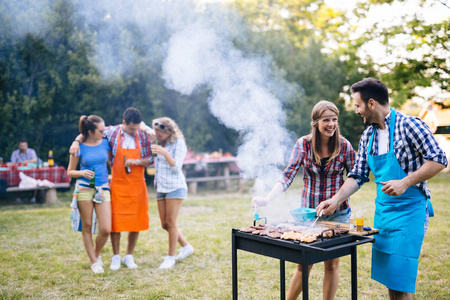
[[366, 121]]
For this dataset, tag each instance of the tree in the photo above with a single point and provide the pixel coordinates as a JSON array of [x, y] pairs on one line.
[[305, 40], [424, 59]]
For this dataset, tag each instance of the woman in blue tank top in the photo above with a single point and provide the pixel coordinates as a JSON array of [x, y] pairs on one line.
[[92, 187]]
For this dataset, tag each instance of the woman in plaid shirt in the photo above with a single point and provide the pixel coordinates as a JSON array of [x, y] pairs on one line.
[[324, 156], [170, 183]]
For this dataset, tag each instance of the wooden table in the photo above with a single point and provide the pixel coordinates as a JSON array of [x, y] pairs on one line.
[[336, 225], [210, 169]]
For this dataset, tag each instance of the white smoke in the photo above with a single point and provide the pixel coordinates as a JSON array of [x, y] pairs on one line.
[[197, 56], [195, 41], [200, 53], [18, 14]]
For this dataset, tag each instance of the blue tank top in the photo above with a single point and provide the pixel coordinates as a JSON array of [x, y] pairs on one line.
[[95, 157]]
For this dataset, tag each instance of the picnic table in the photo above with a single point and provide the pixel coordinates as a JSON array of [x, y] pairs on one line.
[[56, 175], [207, 169], [53, 174]]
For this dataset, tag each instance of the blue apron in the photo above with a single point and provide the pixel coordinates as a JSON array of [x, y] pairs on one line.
[[400, 220]]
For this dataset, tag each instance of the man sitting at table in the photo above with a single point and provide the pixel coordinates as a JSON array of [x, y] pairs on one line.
[[24, 154]]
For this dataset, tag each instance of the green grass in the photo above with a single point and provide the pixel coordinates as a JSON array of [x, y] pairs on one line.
[[42, 258]]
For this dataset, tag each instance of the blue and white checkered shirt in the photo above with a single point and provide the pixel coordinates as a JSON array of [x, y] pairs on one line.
[[414, 144], [167, 178]]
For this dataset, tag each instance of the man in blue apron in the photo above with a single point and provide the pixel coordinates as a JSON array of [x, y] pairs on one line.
[[402, 153]]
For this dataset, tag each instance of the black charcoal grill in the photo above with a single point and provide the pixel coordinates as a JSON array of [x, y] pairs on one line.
[[301, 253]]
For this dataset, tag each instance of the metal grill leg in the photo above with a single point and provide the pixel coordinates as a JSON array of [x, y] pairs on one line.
[[305, 280], [234, 267], [354, 274], [282, 280]]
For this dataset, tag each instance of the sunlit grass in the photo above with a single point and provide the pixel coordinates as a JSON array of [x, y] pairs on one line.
[[42, 258]]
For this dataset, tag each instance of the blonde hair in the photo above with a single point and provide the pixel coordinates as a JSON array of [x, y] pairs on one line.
[[172, 127], [334, 145]]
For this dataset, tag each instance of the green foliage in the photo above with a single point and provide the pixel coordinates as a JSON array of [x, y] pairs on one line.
[[424, 59], [48, 81], [294, 34], [49, 76]]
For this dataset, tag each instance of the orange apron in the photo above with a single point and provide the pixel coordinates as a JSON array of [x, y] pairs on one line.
[[129, 197]]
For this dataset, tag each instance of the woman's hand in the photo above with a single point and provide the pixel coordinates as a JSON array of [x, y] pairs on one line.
[[87, 174], [157, 149], [259, 201]]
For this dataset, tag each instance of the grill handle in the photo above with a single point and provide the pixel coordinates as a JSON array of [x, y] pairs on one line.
[[352, 244], [332, 233]]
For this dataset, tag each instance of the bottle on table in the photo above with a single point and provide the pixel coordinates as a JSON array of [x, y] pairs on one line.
[[352, 222], [92, 181], [359, 221], [155, 143], [50, 159], [127, 168]]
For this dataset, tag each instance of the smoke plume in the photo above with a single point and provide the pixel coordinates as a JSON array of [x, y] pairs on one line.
[[195, 43]]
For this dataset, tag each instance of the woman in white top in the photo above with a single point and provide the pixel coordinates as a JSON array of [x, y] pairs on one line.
[[170, 150]]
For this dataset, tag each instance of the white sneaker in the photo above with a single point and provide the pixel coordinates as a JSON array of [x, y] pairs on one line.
[[115, 262], [99, 260], [185, 252], [168, 263], [128, 260], [97, 268]]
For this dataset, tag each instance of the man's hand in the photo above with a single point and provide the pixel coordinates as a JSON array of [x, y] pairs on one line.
[[394, 187], [327, 207], [133, 162], [259, 201], [75, 148], [148, 131], [426, 171]]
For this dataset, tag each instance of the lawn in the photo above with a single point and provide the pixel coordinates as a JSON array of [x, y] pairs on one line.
[[42, 258]]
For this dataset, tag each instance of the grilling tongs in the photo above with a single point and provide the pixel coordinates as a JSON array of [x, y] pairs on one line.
[[315, 220]]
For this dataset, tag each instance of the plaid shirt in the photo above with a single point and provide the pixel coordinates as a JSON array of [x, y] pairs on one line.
[[414, 144], [318, 185], [167, 178], [114, 134]]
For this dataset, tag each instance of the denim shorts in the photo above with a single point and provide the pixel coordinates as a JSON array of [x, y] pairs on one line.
[[177, 194], [340, 217]]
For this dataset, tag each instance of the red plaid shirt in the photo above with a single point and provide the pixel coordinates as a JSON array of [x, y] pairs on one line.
[[318, 185], [114, 134]]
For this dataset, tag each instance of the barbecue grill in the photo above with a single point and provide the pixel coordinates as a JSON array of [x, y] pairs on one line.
[[301, 253]]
